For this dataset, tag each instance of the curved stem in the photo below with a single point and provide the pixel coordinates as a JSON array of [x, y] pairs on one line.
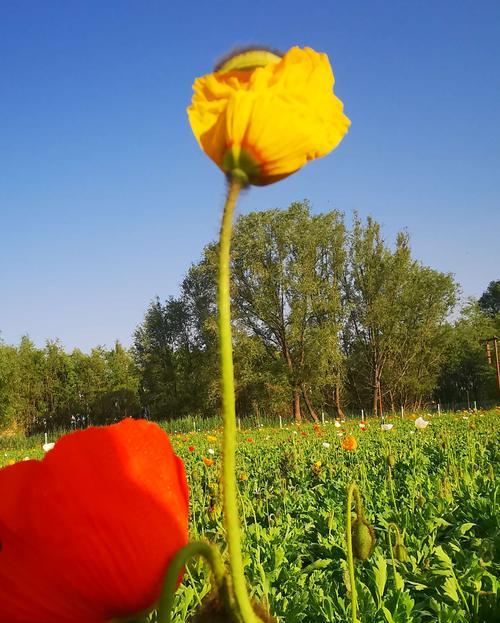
[[393, 526], [352, 491], [198, 548], [229, 485]]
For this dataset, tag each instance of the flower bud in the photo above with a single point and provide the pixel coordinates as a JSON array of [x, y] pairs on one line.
[[421, 501], [363, 538], [214, 610], [391, 460], [400, 552]]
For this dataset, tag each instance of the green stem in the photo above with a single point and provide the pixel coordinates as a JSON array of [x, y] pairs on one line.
[[229, 484], [352, 491], [393, 526], [391, 489], [198, 548]]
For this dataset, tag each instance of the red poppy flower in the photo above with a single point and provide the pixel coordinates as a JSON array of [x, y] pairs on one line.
[[191, 448], [88, 532]]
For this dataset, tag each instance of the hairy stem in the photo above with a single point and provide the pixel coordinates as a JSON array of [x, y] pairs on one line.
[[229, 485]]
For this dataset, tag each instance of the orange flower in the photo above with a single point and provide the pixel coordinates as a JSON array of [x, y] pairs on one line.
[[261, 116], [249, 440], [88, 532], [208, 462], [349, 443]]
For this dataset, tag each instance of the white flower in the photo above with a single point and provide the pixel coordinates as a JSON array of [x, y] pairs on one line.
[[386, 426], [412, 432], [420, 422], [295, 432], [325, 444], [48, 446], [465, 417], [337, 424], [211, 451]]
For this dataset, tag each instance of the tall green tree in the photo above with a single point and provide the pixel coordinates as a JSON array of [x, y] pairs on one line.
[[489, 302], [287, 268], [398, 309], [466, 374]]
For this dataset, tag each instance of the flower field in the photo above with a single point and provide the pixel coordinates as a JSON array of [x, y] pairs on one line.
[[439, 485]]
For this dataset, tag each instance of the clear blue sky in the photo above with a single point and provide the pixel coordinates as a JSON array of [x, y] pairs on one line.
[[106, 199]]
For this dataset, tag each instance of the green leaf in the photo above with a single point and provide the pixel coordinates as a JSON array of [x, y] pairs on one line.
[[465, 527], [380, 573], [450, 589]]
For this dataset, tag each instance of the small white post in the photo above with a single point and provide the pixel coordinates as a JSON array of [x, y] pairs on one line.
[[402, 412], [194, 425], [239, 424], [362, 414], [322, 417], [46, 438], [475, 406], [281, 422], [439, 409]]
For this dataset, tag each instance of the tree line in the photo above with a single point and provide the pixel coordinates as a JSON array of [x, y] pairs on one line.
[[325, 317]]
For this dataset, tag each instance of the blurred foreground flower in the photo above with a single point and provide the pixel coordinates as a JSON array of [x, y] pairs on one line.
[[88, 532], [261, 116], [386, 426]]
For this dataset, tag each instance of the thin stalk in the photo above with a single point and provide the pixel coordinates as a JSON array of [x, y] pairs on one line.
[[229, 485], [352, 491], [206, 551], [391, 489], [393, 526]]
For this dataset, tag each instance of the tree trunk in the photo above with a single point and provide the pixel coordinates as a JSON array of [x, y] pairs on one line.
[[375, 397], [297, 415], [309, 406], [338, 406], [393, 405]]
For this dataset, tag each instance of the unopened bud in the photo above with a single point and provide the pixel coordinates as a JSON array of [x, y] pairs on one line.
[[363, 538], [391, 460], [400, 553]]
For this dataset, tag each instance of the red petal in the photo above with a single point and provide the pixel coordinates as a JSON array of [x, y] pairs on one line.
[[102, 516]]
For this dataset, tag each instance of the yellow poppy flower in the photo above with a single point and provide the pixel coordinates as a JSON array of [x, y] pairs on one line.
[[261, 117]]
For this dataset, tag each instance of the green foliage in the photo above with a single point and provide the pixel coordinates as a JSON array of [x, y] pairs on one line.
[[466, 374], [489, 302], [326, 318], [321, 317], [42, 387]]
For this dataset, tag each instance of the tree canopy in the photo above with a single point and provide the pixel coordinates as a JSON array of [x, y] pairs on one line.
[[326, 317]]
